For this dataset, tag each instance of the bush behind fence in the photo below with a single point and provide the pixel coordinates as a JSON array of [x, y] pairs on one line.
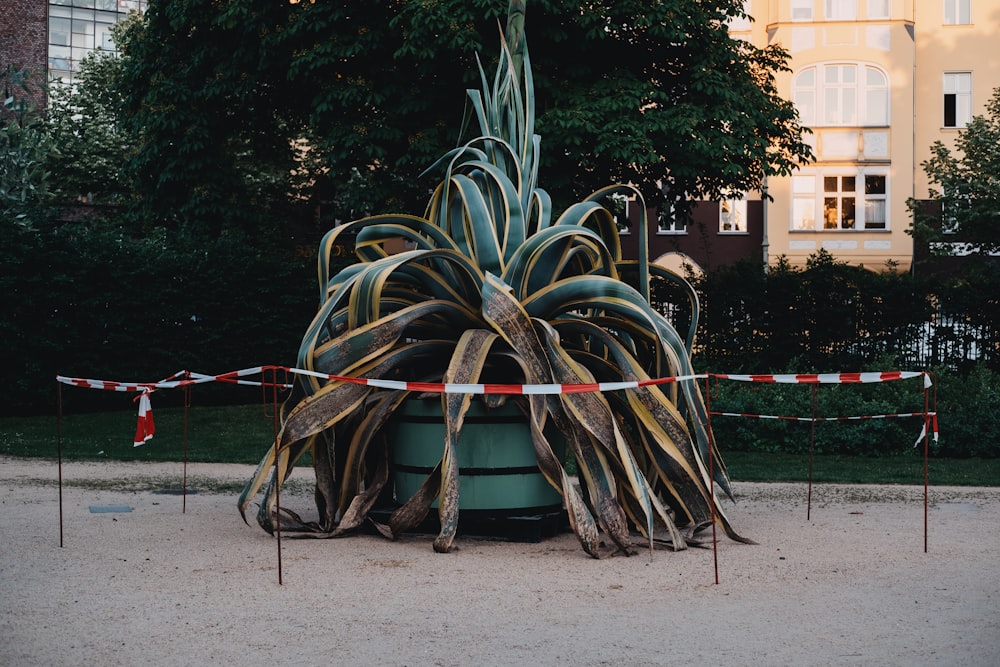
[[830, 317], [96, 302]]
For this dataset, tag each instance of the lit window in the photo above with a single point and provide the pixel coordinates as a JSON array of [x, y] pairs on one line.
[[957, 12], [846, 201], [957, 99], [733, 216], [838, 202], [841, 10]]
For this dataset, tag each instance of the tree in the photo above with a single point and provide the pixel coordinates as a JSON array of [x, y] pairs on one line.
[[652, 93], [83, 120], [966, 184], [207, 97], [25, 151]]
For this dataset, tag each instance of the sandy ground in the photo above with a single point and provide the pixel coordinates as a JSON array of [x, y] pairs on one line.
[[157, 586]]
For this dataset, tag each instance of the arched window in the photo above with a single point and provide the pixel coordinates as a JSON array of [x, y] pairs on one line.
[[842, 94]]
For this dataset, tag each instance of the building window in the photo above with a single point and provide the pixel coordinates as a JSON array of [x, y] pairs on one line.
[[838, 202], [804, 95], [875, 203], [957, 99], [847, 92], [846, 201], [803, 202], [878, 9], [80, 27], [841, 10], [619, 207], [840, 94], [668, 223], [949, 223], [876, 104], [802, 10], [733, 216], [957, 12], [741, 23]]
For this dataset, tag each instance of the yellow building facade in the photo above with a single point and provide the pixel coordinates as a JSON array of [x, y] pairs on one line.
[[877, 82]]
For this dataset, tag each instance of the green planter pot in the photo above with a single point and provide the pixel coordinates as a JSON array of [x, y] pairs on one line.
[[498, 473]]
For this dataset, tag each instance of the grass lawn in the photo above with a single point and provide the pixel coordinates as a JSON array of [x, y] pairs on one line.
[[243, 433]]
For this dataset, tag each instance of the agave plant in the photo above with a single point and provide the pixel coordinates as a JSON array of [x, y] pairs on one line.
[[495, 290]]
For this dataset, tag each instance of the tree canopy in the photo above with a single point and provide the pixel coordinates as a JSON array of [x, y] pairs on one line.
[[83, 121], [357, 99], [25, 152], [966, 183]]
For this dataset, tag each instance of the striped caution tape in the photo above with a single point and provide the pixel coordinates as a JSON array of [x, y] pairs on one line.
[[932, 416], [181, 379], [187, 378], [827, 378], [826, 419]]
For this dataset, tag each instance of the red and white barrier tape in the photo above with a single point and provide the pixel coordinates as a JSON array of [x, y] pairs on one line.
[[144, 430], [828, 378], [923, 432]]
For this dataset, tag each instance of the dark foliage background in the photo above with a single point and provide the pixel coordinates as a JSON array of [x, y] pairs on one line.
[[832, 317], [97, 303], [93, 302]]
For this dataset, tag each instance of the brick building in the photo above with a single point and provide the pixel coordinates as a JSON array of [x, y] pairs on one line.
[[49, 38], [24, 43]]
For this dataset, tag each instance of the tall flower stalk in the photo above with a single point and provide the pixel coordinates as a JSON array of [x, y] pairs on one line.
[[496, 290]]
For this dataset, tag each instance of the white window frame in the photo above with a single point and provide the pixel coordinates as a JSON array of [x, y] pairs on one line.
[[743, 23], [620, 213], [878, 9], [838, 99], [810, 195], [876, 98], [840, 10], [958, 97], [803, 202], [733, 215], [949, 225], [870, 199], [856, 102], [957, 12], [668, 223], [842, 190], [802, 10]]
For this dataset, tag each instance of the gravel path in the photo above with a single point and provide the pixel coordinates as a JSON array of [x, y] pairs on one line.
[[158, 586]]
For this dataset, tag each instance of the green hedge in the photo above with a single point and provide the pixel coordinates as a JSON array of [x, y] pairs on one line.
[[832, 317], [969, 424], [96, 303]]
